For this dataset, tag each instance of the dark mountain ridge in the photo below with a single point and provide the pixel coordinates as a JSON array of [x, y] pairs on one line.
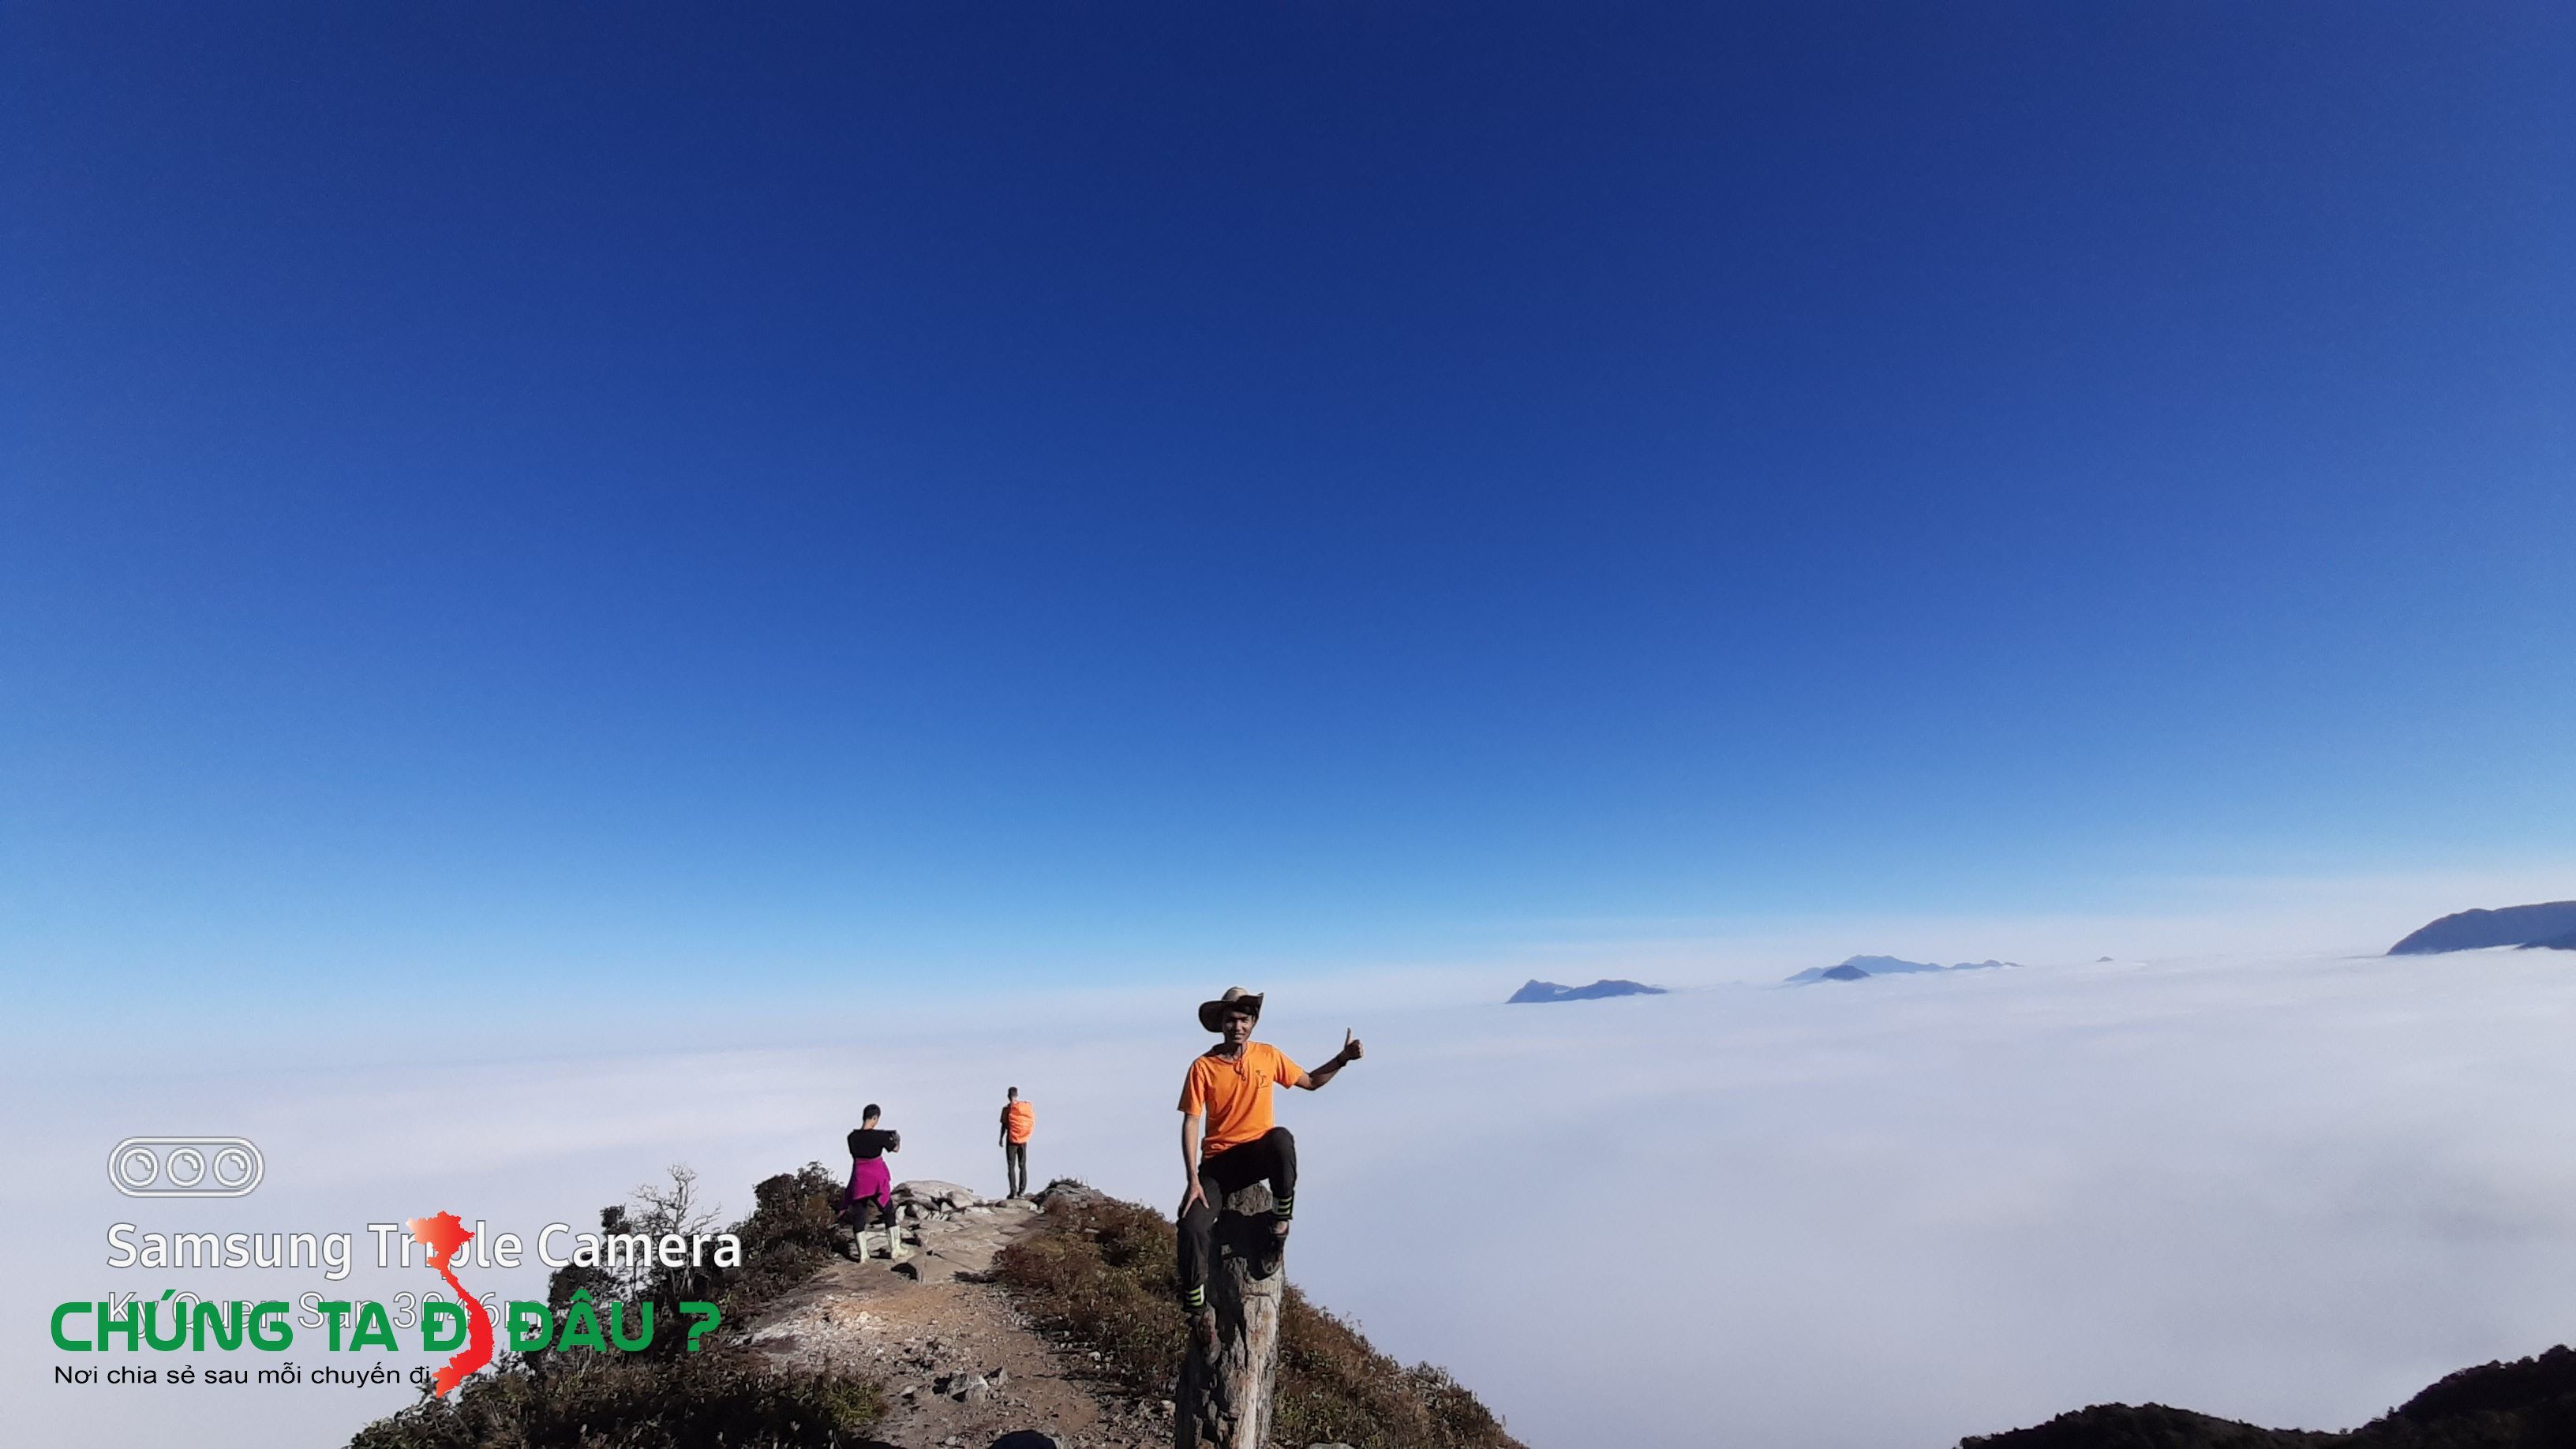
[[2529, 1403], [2551, 923], [1538, 990], [1861, 968]]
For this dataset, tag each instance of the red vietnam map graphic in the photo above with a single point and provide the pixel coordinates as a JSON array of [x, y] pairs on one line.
[[443, 1235]]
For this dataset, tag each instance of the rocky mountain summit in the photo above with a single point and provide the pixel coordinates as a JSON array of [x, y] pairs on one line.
[[1538, 990], [1027, 1323], [2550, 924]]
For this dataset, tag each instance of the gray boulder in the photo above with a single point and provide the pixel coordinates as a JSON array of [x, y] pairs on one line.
[[1066, 1190], [929, 1194]]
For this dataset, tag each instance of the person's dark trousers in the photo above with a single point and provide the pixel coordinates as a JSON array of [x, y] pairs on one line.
[[1015, 1165], [1272, 1155]]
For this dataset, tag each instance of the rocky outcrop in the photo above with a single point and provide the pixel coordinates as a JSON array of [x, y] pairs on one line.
[[2539, 925], [948, 1232], [930, 1195]]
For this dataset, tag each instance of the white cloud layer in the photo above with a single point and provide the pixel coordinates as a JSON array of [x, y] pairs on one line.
[[2289, 1189]]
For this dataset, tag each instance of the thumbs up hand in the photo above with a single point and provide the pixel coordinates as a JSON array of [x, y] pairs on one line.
[[1351, 1049]]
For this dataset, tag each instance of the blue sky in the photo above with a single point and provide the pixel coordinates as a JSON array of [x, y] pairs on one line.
[[976, 497]]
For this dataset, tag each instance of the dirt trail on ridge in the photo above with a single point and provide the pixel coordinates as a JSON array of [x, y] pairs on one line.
[[960, 1365]]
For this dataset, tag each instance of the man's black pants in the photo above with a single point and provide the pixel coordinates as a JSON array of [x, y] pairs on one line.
[[1272, 1155], [1015, 1166]]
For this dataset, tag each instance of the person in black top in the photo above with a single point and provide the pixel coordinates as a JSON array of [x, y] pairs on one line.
[[869, 1140], [871, 1185]]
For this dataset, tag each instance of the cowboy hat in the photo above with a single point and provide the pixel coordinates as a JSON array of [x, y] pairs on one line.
[[1212, 1013]]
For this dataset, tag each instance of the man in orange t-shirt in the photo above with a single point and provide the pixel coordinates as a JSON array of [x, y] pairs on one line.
[[1228, 1141], [1019, 1119]]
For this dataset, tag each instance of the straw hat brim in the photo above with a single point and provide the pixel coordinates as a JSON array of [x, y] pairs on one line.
[[1212, 1013]]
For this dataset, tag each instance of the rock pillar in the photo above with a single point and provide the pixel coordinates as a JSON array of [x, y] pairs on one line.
[[1224, 1398]]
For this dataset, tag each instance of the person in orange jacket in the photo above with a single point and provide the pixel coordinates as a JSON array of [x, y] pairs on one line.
[[1228, 1140], [1019, 1119]]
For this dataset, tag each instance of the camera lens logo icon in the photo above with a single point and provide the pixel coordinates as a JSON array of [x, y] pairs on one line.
[[185, 1166]]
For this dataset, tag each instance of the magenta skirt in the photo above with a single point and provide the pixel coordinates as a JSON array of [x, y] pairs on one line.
[[869, 1179]]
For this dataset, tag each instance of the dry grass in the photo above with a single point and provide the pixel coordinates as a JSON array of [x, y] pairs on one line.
[[664, 1397], [1100, 1273], [716, 1396]]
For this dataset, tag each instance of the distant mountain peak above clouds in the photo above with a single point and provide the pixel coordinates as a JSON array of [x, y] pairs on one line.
[[1538, 990], [1861, 968], [2551, 924]]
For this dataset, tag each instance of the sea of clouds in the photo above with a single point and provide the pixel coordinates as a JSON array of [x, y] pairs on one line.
[[2291, 1189]]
